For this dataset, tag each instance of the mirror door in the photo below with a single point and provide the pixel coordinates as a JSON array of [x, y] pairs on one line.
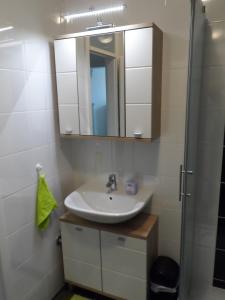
[[100, 73]]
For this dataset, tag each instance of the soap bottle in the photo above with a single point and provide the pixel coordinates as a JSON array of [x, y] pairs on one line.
[[131, 186]]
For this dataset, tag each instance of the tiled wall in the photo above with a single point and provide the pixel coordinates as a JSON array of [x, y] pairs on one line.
[[211, 128], [161, 159], [219, 270], [30, 261]]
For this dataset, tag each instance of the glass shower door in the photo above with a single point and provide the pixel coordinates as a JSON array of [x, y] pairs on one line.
[[187, 171]]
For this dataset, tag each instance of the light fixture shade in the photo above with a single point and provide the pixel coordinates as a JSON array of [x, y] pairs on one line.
[[105, 39], [95, 12]]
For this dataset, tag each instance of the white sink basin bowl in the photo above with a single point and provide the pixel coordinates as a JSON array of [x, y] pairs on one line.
[[91, 202]]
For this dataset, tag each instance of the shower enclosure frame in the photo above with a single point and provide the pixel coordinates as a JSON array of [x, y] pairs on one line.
[[187, 172]]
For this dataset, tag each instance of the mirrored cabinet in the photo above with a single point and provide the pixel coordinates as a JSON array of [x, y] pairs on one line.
[[109, 82]]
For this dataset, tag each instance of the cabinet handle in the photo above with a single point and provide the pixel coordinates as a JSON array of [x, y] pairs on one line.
[[79, 229], [68, 131], [137, 134], [121, 239]]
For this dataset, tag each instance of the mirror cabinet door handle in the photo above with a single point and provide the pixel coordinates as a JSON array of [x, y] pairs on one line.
[[137, 134], [68, 131]]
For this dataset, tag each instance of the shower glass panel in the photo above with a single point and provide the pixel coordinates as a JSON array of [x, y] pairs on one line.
[[188, 170]]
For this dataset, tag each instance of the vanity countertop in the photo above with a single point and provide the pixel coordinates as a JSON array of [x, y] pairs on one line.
[[139, 227]]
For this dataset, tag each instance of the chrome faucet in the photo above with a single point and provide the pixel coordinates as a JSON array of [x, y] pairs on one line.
[[111, 184]]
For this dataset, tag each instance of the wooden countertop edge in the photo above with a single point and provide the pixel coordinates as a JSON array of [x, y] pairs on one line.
[[138, 227]]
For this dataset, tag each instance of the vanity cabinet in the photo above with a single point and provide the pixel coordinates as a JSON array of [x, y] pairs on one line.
[[113, 260], [109, 82]]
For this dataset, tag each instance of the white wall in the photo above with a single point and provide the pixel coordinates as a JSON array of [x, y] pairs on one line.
[[161, 159], [30, 260], [211, 127]]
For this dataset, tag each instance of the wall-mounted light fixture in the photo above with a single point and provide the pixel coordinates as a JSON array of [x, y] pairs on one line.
[[6, 28], [95, 13]]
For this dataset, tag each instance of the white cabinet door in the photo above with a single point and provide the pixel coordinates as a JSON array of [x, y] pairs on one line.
[[123, 286], [117, 240], [65, 55], [138, 67], [66, 75], [138, 120], [139, 85], [124, 255], [138, 48], [67, 88], [69, 119], [81, 243], [82, 273], [81, 255]]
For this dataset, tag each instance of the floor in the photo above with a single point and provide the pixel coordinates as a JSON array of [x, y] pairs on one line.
[[68, 292]]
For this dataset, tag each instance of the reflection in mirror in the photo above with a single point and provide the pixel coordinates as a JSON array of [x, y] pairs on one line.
[[100, 61]]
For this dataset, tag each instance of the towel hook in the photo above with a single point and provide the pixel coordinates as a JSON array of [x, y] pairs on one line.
[[39, 168]]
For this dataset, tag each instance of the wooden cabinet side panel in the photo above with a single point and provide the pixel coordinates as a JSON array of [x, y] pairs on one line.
[[157, 81]]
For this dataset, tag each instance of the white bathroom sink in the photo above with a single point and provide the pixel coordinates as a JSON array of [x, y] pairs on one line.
[[92, 202]]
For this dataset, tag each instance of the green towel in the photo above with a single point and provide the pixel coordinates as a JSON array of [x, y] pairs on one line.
[[46, 203]]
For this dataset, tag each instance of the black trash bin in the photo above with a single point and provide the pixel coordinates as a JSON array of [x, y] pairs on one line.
[[164, 279]]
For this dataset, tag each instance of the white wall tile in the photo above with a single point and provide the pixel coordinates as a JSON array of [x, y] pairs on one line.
[[13, 87], [170, 157], [215, 12], [15, 173], [40, 291], [14, 136], [35, 88], [124, 157], [35, 53], [37, 128], [166, 193], [145, 158], [202, 277], [12, 55], [173, 125], [207, 167], [206, 208], [170, 224], [170, 247], [215, 44], [174, 88], [213, 91], [19, 209], [211, 119]]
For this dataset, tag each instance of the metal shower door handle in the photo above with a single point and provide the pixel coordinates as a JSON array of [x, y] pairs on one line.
[[181, 182], [181, 194]]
